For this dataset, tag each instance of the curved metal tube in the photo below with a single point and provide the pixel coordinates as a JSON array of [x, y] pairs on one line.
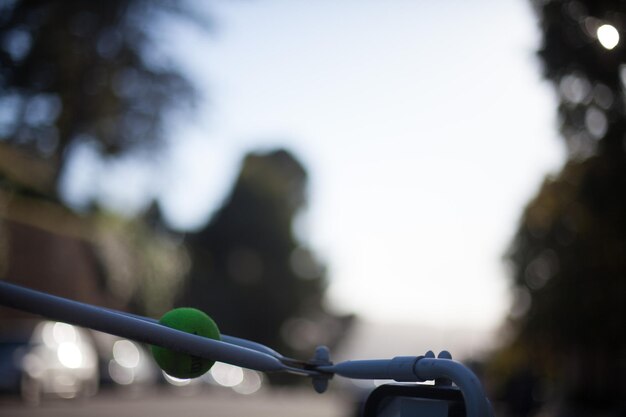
[[419, 369], [476, 403]]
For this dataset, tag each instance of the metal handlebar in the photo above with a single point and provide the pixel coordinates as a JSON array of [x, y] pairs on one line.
[[246, 353]]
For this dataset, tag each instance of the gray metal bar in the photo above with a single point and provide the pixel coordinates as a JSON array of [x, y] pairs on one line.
[[400, 368], [140, 329]]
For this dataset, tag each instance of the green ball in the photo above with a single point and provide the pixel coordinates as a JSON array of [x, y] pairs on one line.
[[182, 365]]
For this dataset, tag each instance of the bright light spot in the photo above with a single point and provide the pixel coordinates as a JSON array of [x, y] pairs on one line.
[[120, 374], [608, 36], [64, 333], [126, 353], [178, 382], [69, 355], [227, 375], [252, 382], [33, 365], [47, 335]]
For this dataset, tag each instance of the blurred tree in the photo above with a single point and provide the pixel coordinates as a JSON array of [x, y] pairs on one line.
[[145, 266], [75, 72], [569, 255], [251, 274]]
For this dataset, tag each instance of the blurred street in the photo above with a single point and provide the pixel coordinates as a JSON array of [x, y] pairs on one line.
[[163, 402], [383, 179]]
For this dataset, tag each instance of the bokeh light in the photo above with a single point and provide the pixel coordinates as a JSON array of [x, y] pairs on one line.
[[120, 374], [70, 355], [227, 375], [252, 382], [126, 353], [608, 36], [177, 382]]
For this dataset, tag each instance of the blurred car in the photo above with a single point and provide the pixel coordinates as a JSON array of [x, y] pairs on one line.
[[48, 358], [124, 362]]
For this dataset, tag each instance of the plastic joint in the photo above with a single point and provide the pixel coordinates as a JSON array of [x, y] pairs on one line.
[[321, 358]]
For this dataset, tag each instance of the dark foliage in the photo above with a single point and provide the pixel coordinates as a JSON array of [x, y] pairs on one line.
[[75, 71], [569, 254], [251, 274]]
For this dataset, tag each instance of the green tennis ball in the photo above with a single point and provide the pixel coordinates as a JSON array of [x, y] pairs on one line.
[[182, 365]]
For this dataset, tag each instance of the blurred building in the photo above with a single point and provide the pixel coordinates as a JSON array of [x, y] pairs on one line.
[[44, 245]]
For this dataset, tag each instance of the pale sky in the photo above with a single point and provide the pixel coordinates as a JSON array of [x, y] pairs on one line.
[[425, 128]]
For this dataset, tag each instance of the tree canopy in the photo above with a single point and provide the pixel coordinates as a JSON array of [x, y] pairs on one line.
[[251, 273], [569, 253], [75, 71]]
